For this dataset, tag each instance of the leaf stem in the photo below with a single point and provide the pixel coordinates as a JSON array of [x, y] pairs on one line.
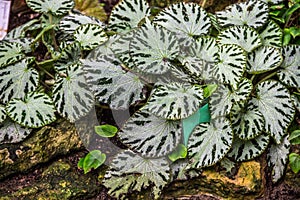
[[41, 34], [203, 3], [267, 77], [46, 72]]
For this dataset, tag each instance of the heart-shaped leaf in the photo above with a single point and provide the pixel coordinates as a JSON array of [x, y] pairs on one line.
[[51, 6], [223, 98], [184, 19], [128, 14], [244, 36], [179, 153], [243, 150], [11, 132], [175, 100], [90, 36], [140, 173], [106, 130], [231, 66], [17, 80], [295, 137], [110, 83], [263, 59], [290, 72], [71, 94], [153, 54], [271, 35], [252, 13], [150, 135], [274, 102], [210, 142], [34, 111], [247, 121], [10, 52], [277, 158], [294, 159], [93, 159]]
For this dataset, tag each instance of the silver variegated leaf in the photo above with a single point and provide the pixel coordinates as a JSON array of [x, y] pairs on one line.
[[199, 53], [232, 64], [272, 1], [271, 35], [11, 132], [290, 72], [20, 31], [184, 19], [296, 102], [244, 36], [17, 80], [2, 113], [153, 54], [181, 170], [247, 121], [110, 83], [10, 52], [34, 111], [128, 14], [243, 150], [151, 136], [274, 102], [134, 173], [121, 49], [263, 59], [69, 55], [71, 94], [25, 42], [90, 36], [175, 100], [277, 158], [209, 142], [71, 22], [253, 13], [51, 6], [223, 98]]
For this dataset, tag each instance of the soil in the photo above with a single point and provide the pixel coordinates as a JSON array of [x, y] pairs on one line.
[[21, 14]]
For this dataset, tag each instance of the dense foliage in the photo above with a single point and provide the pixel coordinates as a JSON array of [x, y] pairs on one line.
[[230, 68]]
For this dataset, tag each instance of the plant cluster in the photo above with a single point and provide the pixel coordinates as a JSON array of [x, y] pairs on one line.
[[222, 87]]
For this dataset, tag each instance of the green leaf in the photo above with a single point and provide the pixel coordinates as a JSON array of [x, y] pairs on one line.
[[271, 35], [274, 102], [71, 94], [106, 130], [2, 114], [290, 11], [263, 59], [277, 158], [90, 36], [93, 159], [244, 36], [222, 100], [11, 52], [286, 38], [184, 19], [209, 90], [295, 137], [200, 116], [128, 14], [251, 13], [290, 72], [11, 132], [243, 150], [18, 79], [210, 142], [51, 6], [110, 83], [135, 173], [151, 136], [153, 54], [247, 121], [80, 163], [175, 100], [294, 31], [231, 66], [294, 159], [34, 111], [179, 153]]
